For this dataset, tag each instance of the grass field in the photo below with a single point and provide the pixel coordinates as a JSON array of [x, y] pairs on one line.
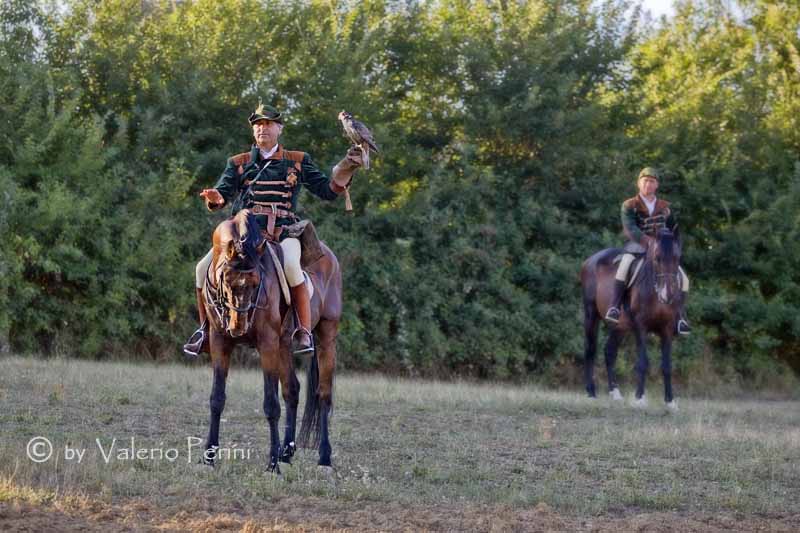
[[408, 455]]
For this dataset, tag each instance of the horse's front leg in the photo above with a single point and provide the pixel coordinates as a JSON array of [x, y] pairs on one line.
[[590, 325], [220, 351], [642, 364], [666, 367], [612, 347], [290, 387], [269, 349], [272, 410]]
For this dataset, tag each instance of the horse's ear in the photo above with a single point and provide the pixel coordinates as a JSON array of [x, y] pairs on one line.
[[261, 246], [230, 251]]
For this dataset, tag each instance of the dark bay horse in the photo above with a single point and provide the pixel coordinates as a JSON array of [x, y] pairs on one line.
[[244, 305], [651, 305]]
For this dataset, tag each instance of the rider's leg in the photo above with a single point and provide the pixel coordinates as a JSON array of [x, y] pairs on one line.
[[194, 345], [300, 296], [683, 326], [613, 314]]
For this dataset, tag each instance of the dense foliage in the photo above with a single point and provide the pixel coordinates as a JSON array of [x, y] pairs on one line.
[[511, 132]]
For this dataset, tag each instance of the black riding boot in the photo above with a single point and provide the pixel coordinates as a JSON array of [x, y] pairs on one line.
[[303, 341], [683, 327], [613, 314]]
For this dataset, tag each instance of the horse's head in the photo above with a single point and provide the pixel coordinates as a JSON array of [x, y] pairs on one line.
[[240, 277], [664, 253]]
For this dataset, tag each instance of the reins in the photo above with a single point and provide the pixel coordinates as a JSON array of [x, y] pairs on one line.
[[651, 274], [215, 297]]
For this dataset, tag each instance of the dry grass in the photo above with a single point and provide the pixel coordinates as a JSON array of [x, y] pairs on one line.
[[398, 445]]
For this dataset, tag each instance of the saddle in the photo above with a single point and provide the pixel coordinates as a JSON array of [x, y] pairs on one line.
[[310, 248], [310, 252]]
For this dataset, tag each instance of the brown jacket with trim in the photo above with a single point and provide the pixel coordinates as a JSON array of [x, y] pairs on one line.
[[638, 223]]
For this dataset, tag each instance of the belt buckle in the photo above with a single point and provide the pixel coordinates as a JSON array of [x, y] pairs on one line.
[[265, 210]]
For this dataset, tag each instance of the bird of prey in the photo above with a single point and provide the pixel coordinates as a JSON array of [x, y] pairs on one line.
[[359, 135]]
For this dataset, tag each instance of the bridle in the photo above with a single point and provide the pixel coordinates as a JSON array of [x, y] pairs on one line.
[[215, 295], [663, 281], [666, 284]]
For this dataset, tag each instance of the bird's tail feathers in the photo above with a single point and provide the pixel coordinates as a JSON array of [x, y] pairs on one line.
[[365, 155]]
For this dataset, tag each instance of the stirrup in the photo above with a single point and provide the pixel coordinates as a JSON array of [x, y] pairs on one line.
[[683, 327], [301, 348], [612, 315], [195, 343]]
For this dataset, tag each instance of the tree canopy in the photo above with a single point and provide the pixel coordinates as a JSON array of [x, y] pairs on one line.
[[510, 134]]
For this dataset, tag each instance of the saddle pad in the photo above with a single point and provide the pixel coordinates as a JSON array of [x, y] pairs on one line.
[[277, 261], [635, 267]]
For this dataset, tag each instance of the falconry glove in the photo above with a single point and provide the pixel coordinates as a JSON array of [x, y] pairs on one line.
[[342, 174]]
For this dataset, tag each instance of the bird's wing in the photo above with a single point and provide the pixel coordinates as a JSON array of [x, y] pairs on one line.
[[365, 134]]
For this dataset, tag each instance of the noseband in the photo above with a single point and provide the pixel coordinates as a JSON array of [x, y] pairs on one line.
[[662, 282], [215, 296]]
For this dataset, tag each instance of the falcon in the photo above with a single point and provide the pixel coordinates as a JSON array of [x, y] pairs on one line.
[[359, 135]]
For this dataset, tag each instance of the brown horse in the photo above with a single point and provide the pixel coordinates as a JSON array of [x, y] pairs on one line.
[[651, 305], [244, 305]]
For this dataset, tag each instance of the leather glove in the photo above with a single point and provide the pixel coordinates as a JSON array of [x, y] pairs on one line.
[[344, 169]]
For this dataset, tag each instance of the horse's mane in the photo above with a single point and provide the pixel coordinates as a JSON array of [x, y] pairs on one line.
[[647, 275], [247, 238]]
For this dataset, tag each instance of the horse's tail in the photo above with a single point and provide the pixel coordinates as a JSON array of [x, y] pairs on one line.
[[310, 427]]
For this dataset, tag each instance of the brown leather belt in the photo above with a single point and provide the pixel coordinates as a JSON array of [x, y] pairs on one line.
[[272, 212], [270, 208]]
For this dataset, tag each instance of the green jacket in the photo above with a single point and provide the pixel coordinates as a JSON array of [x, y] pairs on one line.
[[638, 222], [249, 181]]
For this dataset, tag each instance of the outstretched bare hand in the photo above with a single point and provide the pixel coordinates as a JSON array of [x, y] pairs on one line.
[[212, 196]]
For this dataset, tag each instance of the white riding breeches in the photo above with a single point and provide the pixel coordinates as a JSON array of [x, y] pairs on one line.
[[625, 265], [291, 261]]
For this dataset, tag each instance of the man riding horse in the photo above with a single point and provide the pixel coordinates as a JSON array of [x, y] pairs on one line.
[[266, 180], [642, 218]]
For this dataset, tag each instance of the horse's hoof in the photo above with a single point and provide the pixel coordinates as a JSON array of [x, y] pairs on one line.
[[615, 394], [202, 467], [273, 467], [288, 453], [672, 406], [639, 403]]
